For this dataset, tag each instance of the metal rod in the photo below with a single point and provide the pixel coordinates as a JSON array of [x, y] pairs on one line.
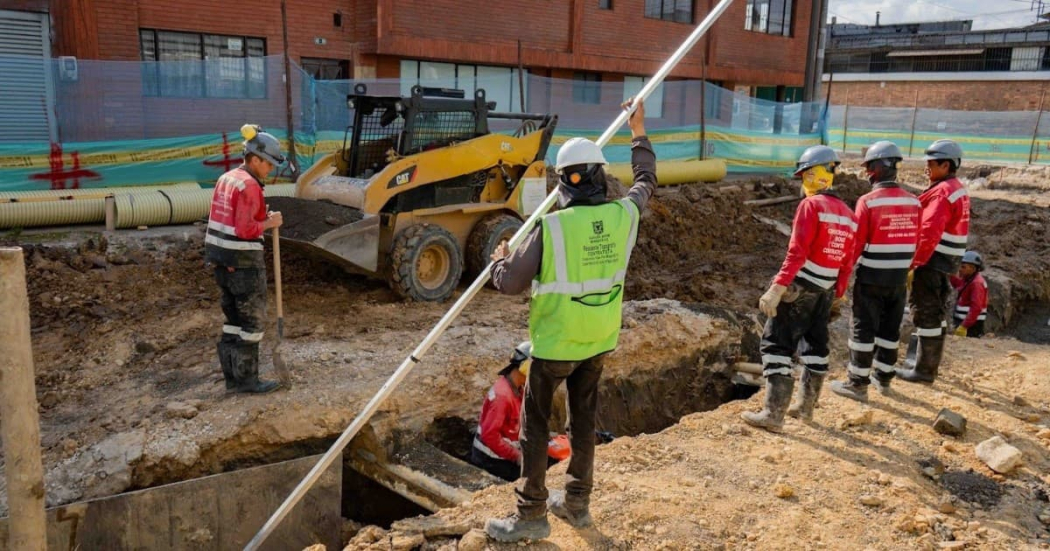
[[414, 358], [845, 121], [914, 115], [1035, 133], [703, 107], [293, 160], [521, 78]]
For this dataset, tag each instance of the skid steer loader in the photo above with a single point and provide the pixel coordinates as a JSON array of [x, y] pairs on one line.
[[421, 191]]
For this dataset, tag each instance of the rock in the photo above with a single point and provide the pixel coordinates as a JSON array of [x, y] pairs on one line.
[[182, 410], [950, 423], [326, 357], [952, 545], [316, 547], [369, 534], [406, 542], [145, 347], [998, 455], [872, 500], [1016, 356], [350, 529], [474, 540], [946, 506], [783, 491], [430, 527], [1021, 402], [931, 467], [856, 420]]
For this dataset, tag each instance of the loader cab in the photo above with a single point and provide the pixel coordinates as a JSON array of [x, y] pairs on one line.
[[386, 128]]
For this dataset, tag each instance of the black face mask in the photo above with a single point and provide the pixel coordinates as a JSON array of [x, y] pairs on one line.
[[882, 170], [591, 190]]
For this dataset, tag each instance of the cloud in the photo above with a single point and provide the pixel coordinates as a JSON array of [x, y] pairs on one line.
[[985, 15]]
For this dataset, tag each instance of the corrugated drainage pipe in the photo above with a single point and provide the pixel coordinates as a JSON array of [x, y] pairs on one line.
[[24, 209], [39, 210], [675, 172], [174, 207]]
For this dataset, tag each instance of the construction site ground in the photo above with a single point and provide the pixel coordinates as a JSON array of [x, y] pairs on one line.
[[131, 396]]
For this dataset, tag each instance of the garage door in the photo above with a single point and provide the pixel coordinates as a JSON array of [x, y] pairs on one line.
[[25, 77]]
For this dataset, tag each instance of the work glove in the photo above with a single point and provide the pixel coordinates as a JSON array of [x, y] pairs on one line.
[[960, 331], [769, 301], [911, 275], [836, 308]]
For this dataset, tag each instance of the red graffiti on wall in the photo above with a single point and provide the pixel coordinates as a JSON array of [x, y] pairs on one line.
[[59, 176], [227, 163]]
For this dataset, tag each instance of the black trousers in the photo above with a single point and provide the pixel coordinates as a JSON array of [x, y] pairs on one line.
[[507, 470], [930, 293], [974, 332], [875, 330], [801, 325], [581, 381], [243, 303]]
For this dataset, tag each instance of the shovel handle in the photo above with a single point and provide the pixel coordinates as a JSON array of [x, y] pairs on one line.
[[277, 281]]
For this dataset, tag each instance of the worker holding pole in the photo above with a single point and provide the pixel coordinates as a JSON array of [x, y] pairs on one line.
[[575, 262]]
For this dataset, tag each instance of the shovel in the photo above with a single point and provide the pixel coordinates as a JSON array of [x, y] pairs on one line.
[[283, 373]]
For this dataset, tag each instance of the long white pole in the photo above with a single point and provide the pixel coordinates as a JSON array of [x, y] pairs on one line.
[[442, 325]]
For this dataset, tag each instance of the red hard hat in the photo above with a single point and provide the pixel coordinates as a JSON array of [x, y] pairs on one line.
[[558, 447]]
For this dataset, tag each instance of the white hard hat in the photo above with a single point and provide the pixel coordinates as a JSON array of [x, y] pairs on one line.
[[579, 151]]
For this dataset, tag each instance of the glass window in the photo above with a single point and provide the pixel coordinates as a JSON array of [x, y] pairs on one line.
[[586, 87], [769, 16], [325, 69], [679, 11], [500, 83], [179, 64], [605, 4], [654, 104]]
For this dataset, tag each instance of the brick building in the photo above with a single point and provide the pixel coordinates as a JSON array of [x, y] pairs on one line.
[[759, 46], [938, 65]]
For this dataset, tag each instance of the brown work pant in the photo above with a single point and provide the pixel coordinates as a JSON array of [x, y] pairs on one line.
[[581, 382]]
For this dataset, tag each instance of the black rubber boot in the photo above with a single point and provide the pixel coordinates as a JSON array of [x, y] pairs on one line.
[[515, 528], [927, 361], [855, 388], [808, 393], [227, 357], [246, 370], [577, 517], [778, 394]]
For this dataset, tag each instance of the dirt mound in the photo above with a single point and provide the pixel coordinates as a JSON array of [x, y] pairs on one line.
[[700, 242]]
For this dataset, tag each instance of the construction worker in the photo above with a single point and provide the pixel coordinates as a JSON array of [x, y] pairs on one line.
[[942, 241], [971, 304], [575, 262], [887, 232], [798, 304], [234, 245], [496, 447]]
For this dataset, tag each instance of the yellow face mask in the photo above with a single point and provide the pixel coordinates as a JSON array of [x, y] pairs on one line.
[[816, 179]]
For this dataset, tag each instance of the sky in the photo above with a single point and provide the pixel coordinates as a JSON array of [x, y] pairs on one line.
[[986, 14]]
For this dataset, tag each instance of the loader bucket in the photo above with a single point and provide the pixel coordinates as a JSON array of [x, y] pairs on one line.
[[341, 234]]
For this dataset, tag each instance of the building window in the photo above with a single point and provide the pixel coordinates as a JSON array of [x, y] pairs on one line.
[[679, 11], [326, 69], [654, 104], [501, 84], [178, 64], [586, 88], [605, 4], [769, 16]]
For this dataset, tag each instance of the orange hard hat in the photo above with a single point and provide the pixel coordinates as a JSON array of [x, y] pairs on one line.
[[558, 448]]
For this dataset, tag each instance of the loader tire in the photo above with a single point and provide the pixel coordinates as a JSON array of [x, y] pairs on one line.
[[484, 238], [426, 263]]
